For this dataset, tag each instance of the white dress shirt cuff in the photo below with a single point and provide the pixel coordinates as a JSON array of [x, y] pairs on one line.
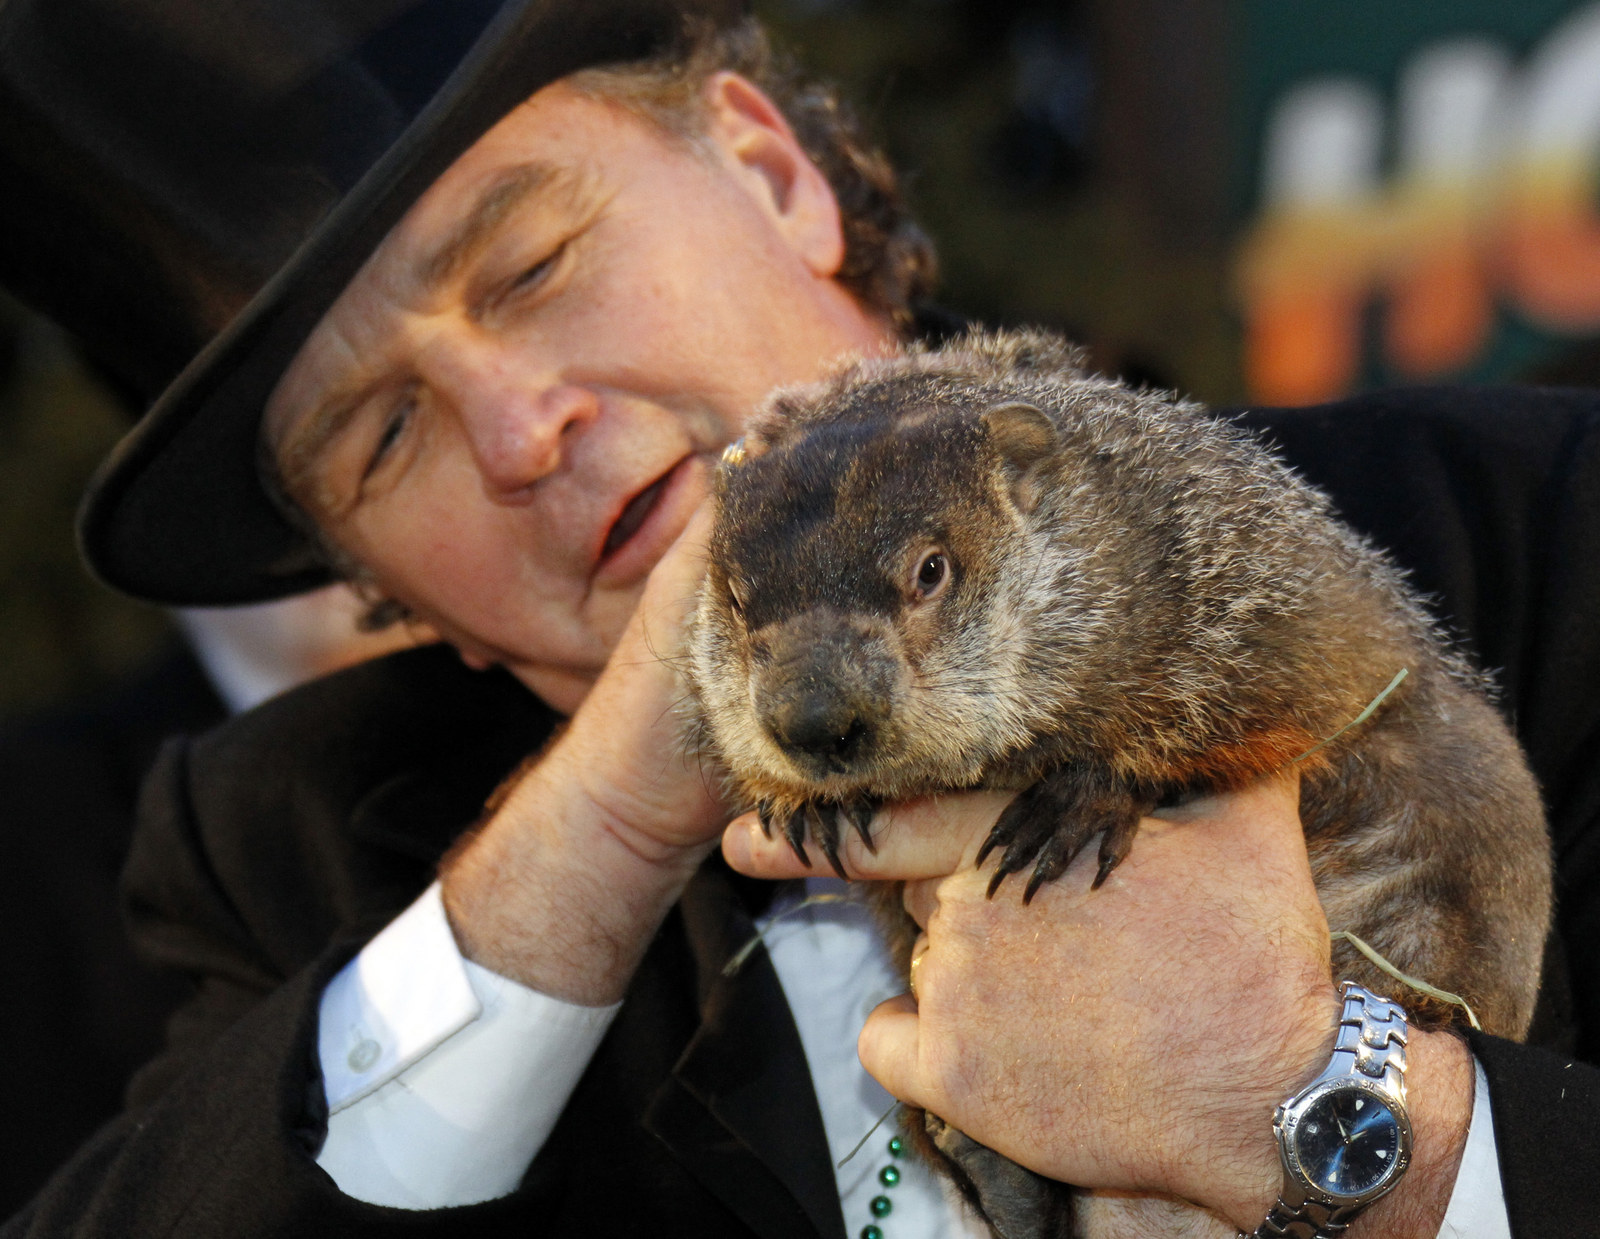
[[1478, 1205], [443, 1079]]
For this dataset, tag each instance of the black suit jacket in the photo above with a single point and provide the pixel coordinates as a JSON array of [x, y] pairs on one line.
[[271, 849], [82, 1012]]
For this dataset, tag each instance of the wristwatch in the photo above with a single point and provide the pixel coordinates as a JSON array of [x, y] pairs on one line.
[[1345, 1139]]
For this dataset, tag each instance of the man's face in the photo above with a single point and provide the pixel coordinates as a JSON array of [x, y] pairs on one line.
[[514, 408]]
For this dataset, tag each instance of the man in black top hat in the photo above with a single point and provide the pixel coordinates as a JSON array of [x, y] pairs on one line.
[[477, 297]]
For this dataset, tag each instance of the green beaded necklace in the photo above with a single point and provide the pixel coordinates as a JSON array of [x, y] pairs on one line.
[[881, 1205], [889, 1175]]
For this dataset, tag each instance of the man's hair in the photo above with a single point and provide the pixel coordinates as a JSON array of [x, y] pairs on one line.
[[889, 261]]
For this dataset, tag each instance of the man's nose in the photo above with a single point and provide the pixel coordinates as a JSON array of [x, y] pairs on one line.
[[517, 419]]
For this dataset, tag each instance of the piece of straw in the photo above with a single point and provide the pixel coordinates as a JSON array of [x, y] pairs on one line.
[[1432, 991], [861, 1143], [1372, 707], [744, 952]]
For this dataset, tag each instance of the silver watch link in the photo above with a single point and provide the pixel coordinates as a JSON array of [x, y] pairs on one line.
[[1344, 1140]]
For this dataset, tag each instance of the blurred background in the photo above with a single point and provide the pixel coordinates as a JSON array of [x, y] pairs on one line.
[[1266, 201]]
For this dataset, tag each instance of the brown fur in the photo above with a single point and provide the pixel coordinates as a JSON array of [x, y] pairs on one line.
[[1140, 602]]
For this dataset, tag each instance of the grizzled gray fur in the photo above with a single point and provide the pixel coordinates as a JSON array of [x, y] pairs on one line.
[[981, 566]]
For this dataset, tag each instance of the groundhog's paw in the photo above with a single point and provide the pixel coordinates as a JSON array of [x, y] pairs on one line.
[[824, 821], [1021, 832], [859, 813], [1117, 841], [1048, 824], [790, 820]]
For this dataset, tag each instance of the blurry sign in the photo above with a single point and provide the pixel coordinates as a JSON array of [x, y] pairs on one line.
[[1410, 218]]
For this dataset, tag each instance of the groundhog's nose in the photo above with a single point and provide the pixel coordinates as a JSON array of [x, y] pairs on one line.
[[826, 727]]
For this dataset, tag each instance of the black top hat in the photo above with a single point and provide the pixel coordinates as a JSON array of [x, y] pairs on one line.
[[187, 185]]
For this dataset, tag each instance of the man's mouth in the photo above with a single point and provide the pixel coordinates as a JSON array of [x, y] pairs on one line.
[[633, 515]]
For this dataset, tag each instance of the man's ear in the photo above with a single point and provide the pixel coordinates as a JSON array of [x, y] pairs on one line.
[[763, 152]]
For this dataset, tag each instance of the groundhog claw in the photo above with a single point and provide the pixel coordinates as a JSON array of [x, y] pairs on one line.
[[860, 814], [824, 821], [1049, 823], [794, 830], [824, 826], [1117, 842]]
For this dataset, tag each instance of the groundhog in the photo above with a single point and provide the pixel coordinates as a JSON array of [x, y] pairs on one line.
[[982, 566]]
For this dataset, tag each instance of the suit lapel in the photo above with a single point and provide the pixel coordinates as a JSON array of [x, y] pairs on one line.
[[739, 1111]]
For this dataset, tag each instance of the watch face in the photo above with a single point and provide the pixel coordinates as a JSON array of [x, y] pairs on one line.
[[1347, 1142]]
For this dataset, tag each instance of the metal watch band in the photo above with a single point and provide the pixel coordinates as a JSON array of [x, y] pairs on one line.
[[1310, 1220], [1371, 1042]]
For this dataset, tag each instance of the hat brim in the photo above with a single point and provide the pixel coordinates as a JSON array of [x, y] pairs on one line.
[[178, 514]]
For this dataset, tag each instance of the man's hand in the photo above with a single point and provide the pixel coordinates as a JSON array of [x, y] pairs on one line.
[[565, 885], [1134, 1038]]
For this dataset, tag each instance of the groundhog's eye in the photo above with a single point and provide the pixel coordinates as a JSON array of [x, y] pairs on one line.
[[735, 603], [932, 573]]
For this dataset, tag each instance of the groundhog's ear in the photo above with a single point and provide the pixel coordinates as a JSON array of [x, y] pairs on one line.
[[1024, 438]]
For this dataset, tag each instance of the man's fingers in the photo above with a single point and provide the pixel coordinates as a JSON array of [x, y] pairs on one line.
[[925, 838], [674, 583], [696, 536], [747, 849], [888, 1048], [920, 900], [919, 949]]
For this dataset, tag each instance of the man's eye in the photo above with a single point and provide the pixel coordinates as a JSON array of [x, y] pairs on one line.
[[393, 428], [534, 275]]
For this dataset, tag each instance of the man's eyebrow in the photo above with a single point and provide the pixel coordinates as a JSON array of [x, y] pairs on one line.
[[304, 442], [490, 210], [293, 460]]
